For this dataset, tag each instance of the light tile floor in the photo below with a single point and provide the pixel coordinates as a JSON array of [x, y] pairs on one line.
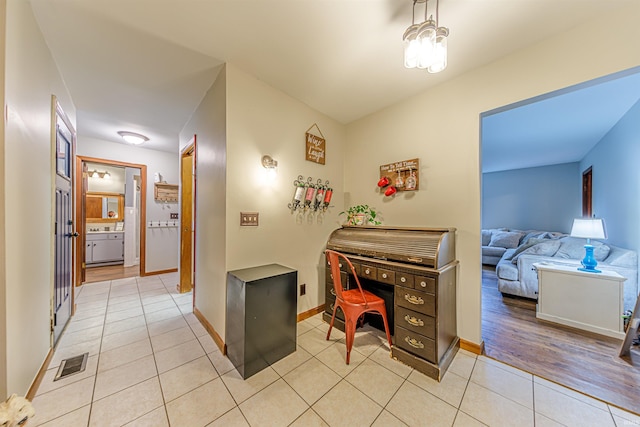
[[151, 363]]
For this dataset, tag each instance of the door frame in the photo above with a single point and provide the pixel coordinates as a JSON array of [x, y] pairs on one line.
[[81, 220], [188, 257]]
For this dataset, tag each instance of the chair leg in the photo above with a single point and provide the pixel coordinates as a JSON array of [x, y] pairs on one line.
[[386, 326], [333, 317], [350, 332]]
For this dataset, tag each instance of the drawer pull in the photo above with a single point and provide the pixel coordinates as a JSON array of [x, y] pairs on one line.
[[332, 292], [332, 306], [384, 275], [414, 259], [367, 271], [413, 321], [423, 284], [414, 299], [340, 264], [414, 342], [403, 279]]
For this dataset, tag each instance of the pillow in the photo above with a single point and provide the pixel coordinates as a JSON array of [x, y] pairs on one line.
[[573, 248], [486, 237], [505, 239], [546, 248], [526, 245]]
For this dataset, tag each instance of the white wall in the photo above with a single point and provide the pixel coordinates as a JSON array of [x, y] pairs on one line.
[[441, 127], [162, 242], [541, 198], [208, 122], [28, 186]]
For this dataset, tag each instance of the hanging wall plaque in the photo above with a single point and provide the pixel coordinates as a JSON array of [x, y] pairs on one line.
[[315, 146], [404, 175]]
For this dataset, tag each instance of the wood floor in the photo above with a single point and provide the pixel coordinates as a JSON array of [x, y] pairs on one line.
[[110, 272], [583, 361]]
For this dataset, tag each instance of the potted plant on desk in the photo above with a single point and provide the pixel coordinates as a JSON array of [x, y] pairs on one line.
[[361, 215]]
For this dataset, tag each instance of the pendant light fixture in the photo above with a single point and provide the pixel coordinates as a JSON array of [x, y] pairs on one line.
[[425, 44]]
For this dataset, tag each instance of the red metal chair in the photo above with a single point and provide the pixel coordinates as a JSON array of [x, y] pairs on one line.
[[353, 302]]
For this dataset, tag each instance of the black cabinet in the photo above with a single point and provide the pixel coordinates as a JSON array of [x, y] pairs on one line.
[[261, 316]]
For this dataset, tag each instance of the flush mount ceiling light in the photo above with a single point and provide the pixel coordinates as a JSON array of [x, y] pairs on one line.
[[425, 44], [132, 137]]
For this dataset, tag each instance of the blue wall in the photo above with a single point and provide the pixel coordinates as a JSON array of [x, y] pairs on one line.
[[615, 162], [542, 198]]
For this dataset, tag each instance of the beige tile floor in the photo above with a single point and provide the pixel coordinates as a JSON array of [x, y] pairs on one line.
[[151, 363]]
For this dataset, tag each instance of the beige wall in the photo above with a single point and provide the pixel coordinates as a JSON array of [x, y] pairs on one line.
[[442, 128], [3, 180], [263, 120], [239, 121], [33, 78], [208, 123]]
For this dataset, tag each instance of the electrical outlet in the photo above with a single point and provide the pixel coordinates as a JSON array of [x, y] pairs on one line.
[[303, 289], [174, 215]]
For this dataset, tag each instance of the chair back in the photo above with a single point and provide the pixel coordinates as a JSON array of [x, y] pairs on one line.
[[333, 258]]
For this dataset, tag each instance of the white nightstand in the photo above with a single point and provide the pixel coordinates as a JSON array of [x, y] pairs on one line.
[[588, 301]]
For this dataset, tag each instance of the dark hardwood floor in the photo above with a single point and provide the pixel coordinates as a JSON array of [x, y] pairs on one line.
[[583, 361], [110, 272]]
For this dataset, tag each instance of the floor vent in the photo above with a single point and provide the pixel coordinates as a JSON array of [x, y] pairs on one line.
[[72, 365]]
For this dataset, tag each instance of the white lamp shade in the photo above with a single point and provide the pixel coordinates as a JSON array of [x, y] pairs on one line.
[[589, 228]]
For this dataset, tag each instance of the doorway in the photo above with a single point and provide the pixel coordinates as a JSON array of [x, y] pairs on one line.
[[111, 214], [587, 182], [187, 216]]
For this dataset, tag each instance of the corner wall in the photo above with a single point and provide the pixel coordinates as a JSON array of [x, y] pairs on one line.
[[28, 183], [540, 198], [442, 127]]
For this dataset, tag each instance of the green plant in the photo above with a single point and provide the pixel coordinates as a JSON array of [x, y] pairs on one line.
[[361, 215]]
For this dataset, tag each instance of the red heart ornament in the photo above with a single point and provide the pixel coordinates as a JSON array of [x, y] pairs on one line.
[[384, 181], [390, 191]]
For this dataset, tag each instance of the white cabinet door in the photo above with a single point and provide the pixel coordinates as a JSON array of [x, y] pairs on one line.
[[88, 253], [107, 250]]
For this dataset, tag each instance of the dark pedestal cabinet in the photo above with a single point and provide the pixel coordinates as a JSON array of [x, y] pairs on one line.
[[261, 316]]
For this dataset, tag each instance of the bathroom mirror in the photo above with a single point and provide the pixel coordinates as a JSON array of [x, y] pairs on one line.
[[104, 207]]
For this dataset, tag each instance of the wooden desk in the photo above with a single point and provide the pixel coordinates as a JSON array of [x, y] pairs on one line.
[[588, 301]]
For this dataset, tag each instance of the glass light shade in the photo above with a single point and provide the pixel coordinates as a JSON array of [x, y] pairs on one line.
[[427, 37], [439, 51], [411, 46], [132, 137], [589, 228]]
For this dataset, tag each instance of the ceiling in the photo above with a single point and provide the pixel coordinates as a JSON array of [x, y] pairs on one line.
[[144, 65]]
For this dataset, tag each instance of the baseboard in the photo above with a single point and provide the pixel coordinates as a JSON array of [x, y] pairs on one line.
[[310, 313], [31, 393], [210, 329], [152, 273], [472, 347]]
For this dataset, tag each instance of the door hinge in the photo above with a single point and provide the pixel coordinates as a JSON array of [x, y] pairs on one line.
[[84, 265], [53, 322]]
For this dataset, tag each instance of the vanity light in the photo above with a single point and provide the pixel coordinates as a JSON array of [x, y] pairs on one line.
[[102, 175], [132, 137]]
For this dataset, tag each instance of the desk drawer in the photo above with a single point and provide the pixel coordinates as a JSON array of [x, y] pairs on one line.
[[386, 276], [344, 279], [404, 279], [427, 284], [330, 303], [416, 344], [345, 267], [369, 272], [415, 300], [416, 322]]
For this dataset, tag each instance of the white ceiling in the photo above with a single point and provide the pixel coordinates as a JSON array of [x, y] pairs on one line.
[[144, 65]]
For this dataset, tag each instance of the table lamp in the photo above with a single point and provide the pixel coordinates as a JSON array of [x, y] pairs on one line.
[[589, 228]]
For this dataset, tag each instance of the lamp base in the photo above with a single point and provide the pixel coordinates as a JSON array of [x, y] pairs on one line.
[[589, 270], [589, 262]]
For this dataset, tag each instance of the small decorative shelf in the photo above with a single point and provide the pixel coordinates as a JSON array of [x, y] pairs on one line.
[[167, 193]]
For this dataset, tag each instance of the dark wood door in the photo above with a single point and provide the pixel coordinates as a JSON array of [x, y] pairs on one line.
[[587, 179]]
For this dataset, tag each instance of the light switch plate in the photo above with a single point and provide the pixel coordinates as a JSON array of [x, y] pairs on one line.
[[249, 219]]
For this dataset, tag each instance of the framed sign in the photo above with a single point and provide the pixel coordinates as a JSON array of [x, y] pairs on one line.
[[403, 175], [315, 150]]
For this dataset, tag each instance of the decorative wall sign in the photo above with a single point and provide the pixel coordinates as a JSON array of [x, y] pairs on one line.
[[315, 146], [403, 176]]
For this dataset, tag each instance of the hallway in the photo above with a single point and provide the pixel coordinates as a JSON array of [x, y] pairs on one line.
[[151, 363]]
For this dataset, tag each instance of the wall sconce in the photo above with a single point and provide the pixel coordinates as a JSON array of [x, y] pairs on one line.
[[102, 175], [269, 163]]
